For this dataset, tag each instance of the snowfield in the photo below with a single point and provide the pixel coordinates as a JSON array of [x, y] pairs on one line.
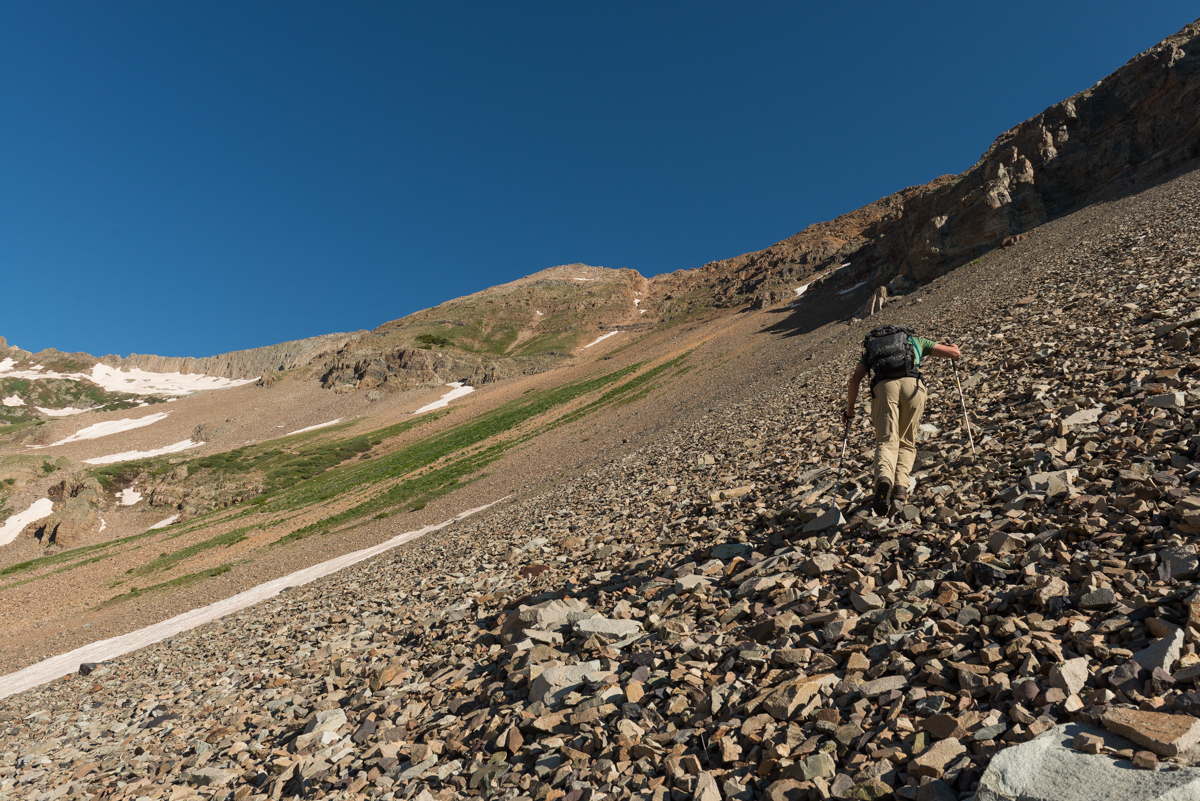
[[67, 412], [107, 428], [129, 456], [15, 524], [104, 650], [459, 389], [164, 523], [136, 382], [13, 400], [140, 382], [129, 496]]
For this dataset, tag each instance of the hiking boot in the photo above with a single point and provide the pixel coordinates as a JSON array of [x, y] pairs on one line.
[[883, 489], [899, 500]]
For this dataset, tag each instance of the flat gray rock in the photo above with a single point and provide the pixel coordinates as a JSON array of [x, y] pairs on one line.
[[607, 627], [828, 520], [1047, 768], [554, 683], [1162, 653]]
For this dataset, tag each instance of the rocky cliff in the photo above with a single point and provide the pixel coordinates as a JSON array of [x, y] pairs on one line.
[[1137, 125], [240, 363]]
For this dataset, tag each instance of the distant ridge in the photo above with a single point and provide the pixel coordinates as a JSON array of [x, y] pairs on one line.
[[239, 364]]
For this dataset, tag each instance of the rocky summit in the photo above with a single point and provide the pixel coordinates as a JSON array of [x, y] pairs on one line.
[[694, 614]]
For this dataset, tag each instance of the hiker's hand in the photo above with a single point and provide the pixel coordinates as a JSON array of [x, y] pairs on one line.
[[847, 416]]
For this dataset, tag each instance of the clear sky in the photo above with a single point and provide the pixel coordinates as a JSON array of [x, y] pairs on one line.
[[192, 178]]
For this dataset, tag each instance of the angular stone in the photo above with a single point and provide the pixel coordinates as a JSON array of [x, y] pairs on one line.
[[554, 683], [1047, 768], [1178, 562], [784, 702], [1164, 734], [1101, 598], [1169, 400], [690, 583], [936, 790], [785, 790], [869, 790], [865, 602], [821, 563], [830, 519], [328, 720], [1161, 654], [1055, 485], [706, 788], [810, 767], [942, 727], [1070, 676], [730, 550], [933, 761], [876, 688], [546, 616], [1082, 417], [613, 629], [210, 777]]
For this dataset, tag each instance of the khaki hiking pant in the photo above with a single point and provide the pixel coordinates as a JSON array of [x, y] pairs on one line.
[[896, 408]]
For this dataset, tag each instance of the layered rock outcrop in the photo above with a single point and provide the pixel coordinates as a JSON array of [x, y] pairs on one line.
[[410, 368], [239, 363], [78, 499], [1137, 125]]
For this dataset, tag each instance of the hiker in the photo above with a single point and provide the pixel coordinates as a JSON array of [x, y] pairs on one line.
[[894, 356]]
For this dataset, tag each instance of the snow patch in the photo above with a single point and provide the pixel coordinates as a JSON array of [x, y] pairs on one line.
[[104, 650], [459, 389], [103, 525], [800, 290], [141, 382], [129, 456], [17, 523], [851, 289], [137, 382], [314, 428], [539, 314], [164, 523], [129, 496], [13, 400], [586, 279], [107, 428], [65, 412], [601, 339]]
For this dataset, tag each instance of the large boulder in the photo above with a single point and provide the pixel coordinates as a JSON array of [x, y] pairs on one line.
[[1048, 768]]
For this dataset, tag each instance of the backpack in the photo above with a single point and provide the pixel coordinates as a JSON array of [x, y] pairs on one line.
[[890, 352]]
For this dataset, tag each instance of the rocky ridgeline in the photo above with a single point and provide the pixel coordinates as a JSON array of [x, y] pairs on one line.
[[1136, 125], [240, 364], [684, 622]]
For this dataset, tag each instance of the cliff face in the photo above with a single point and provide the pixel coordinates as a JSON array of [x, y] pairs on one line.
[[1137, 125], [240, 363]]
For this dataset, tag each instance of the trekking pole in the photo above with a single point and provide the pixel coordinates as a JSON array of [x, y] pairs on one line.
[[838, 483], [966, 419]]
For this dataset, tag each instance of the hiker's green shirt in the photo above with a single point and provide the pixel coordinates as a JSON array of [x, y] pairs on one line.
[[923, 347]]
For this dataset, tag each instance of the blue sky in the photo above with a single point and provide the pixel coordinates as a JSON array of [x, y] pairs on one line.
[[193, 178]]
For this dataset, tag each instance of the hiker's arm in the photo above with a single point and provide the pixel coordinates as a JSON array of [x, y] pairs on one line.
[[860, 372], [946, 351]]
